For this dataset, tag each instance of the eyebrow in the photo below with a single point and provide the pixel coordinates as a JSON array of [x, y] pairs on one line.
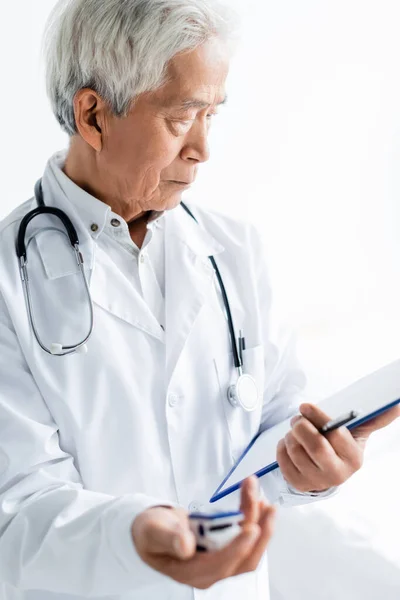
[[195, 103]]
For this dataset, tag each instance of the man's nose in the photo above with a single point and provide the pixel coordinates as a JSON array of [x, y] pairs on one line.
[[196, 147]]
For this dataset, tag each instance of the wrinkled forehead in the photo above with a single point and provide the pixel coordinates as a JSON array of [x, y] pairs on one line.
[[196, 79]]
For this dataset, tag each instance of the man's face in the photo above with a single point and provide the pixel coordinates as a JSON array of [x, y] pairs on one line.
[[164, 138]]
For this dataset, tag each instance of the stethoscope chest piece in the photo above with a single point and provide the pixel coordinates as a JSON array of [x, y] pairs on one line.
[[244, 393]]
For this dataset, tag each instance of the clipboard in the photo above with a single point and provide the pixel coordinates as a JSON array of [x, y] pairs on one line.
[[370, 396]]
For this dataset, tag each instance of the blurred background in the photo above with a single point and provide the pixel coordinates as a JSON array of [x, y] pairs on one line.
[[307, 148]]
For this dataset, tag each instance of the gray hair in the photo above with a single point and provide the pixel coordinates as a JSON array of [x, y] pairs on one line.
[[121, 48]]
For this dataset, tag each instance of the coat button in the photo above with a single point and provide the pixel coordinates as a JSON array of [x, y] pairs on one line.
[[115, 223], [94, 227], [172, 399]]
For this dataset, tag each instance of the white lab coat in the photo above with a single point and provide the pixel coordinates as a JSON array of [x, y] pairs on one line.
[[89, 441]]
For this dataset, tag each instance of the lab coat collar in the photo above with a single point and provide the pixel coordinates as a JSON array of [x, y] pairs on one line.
[[189, 274], [189, 279], [103, 276], [94, 213], [193, 235], [85, 211], [57, 196]]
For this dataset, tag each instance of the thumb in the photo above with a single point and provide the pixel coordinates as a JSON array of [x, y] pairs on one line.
[[382, 420], [168, 533]]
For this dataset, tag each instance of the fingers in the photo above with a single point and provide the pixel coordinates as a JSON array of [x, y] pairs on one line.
[[249, 499], [166, 532], [294, 419], [307, 457], [203, 570], [243, 555], [289, 471], [229, 558], [267, 527], [315, 445], [299, 456], [324, 450], [157, 530], [314, 414]]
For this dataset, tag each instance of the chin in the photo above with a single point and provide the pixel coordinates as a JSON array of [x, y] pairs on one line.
[[173, 201]]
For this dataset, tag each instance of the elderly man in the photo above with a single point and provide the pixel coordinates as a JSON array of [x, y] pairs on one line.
[[103, 453]]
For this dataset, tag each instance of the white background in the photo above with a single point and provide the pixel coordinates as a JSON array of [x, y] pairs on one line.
[[307, 148]]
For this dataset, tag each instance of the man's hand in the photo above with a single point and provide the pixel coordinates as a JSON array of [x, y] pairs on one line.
[[310, 461], [164, 541]]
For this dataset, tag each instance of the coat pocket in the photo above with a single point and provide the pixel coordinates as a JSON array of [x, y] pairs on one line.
[[242, 425]]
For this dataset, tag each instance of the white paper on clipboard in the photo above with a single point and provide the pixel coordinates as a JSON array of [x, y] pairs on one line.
[[366, 395]]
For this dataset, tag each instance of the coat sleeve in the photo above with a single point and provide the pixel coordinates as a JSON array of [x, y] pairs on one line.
[[285, 379], [54, 534]]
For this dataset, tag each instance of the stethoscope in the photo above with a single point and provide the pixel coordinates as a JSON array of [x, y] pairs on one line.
[[243, 393]]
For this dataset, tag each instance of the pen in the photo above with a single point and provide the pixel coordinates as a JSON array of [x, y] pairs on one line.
[[342, 420]]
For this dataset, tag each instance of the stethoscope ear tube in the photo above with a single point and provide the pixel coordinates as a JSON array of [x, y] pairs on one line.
[[42, 209], [56, 349]]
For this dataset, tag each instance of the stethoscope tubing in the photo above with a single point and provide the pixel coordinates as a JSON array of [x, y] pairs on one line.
[[236, 357], [21, 249], [234, 391]]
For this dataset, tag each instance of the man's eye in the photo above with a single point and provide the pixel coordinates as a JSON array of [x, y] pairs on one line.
[[183, 122]]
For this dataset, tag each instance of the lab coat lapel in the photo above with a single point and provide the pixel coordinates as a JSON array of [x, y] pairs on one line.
[[188, 278], [108, 287], [113, 292]]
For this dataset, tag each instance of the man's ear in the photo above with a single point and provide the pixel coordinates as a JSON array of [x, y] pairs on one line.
[[88, 108], [93, 120]]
